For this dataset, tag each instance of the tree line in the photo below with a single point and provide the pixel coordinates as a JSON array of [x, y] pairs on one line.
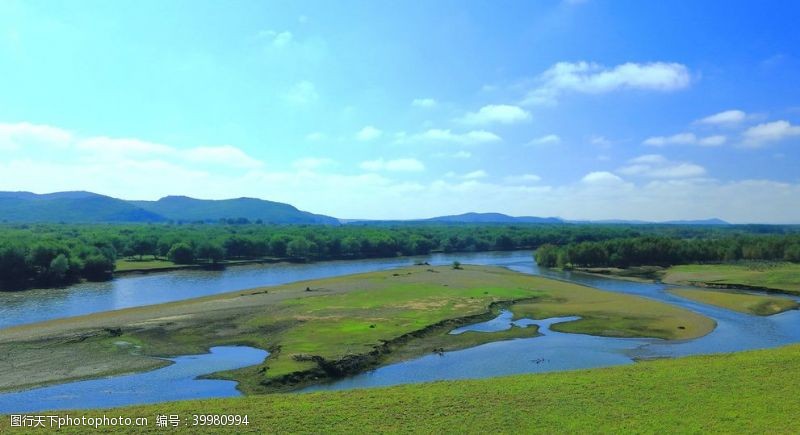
[[58, 254], [667, 251]]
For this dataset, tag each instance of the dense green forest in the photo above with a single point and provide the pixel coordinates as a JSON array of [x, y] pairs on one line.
[[57, 254], [667, 251]]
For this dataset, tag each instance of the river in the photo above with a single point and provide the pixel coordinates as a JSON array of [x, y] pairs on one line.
[[552, 351]]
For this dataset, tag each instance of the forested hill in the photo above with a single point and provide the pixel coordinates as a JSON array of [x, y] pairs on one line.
[[87, 207], [191, 209], [70, 207]]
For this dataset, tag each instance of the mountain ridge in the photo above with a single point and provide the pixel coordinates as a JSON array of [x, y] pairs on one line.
[[89, 207]]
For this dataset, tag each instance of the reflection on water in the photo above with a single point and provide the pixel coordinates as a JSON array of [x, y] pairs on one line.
[[177, 381]]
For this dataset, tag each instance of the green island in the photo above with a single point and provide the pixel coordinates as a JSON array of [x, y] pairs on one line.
[[699, 394], [760, 305], [782, 277], [328, 328]]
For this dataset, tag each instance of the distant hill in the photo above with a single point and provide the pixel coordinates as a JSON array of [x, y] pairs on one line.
[[499, 218], [712, 221], [87, 207], [191, 209], [485, 218], [70, 207]]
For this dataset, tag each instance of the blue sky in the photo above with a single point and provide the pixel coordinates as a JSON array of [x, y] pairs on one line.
[[581, 109]]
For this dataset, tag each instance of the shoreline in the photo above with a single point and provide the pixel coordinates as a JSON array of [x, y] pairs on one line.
[[191, 321], [327, 370], [225, 264], [387, 352], [609, 273], [218, 266]]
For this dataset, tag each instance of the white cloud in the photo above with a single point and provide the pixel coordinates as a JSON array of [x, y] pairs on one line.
[[276, 39], [312, 163], [658, 166], [727, 117], [592, 78], [301, 93], [20, 135], [282, 39], [377, 195], [600, 141], [550, 139], [368, 133], [762, 134], [712, 141], [372, 195], [685, 139], [474, 175], [473, 137], [425, 103], [601, 177], [396, 165], [676, 139], [496, 113], [107, 149]]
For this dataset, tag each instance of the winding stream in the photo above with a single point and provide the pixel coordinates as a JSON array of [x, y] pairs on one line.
[[550, 352], [556, 351]]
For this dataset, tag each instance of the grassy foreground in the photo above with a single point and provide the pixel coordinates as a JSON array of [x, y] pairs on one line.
[[784, 277], [748, 392], [761, 305], [330, 327]]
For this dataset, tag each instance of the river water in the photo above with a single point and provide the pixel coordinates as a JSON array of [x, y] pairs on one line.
[[177, 381], [552, 351], [17, 308]]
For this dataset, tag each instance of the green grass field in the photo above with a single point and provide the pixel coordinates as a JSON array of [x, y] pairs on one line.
[[761, 305], [330, 327], [127, 264], [783, 277], [748, 392]]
